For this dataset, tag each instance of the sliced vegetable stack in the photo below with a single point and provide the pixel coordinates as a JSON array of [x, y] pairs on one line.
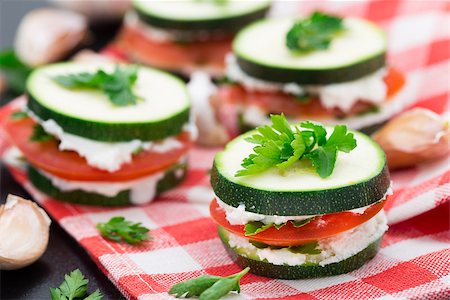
[[320, 67], [184, 36], [102, 134], [300, 201]]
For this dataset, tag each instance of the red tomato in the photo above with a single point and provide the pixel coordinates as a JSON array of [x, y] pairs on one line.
[[288, 235], [278, 102], [171, 55], [69, 165]]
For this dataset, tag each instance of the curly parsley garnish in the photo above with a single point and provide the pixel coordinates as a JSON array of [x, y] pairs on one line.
[[75, 286], [118, 229], [116, 85], [313, 33], [281, 145], [208, 287]]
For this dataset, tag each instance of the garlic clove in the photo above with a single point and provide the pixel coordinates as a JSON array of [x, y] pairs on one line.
[[47, 35], [24, 233], [97, 10], [413, 137]]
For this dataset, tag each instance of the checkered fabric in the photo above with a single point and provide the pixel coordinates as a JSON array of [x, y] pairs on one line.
[[414, 262]]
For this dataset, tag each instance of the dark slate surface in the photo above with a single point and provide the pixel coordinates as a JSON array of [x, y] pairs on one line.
[[63, 254]]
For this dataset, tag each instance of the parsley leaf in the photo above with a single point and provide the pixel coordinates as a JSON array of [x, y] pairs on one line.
[[309, 248], [313, 33], [116, 85], [75, 286], [40, 135], [118, 229], [15, 71], [208, 287], [281, 145], [252, 228], [301, 223], [19, 115]]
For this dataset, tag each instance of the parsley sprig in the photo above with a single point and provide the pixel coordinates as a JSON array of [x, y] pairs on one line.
[[118, 229], [313, 33], [116, 85], [281, 145], [208, 287], [75, 286]]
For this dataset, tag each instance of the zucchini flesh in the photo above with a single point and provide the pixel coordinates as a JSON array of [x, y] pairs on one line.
[[263, 268], [357, 52], [162, 112], [44, 184], [360, 178], [192, 15]]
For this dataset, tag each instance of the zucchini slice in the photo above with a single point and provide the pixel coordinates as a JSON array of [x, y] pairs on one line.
[[162, 111], [174, 176], [261, 52], [310, 270], [360, 178], [194, 15]]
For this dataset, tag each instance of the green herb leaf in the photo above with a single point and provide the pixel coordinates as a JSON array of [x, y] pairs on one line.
[[224, 286], [341, 139], [74, 286], [323, 159], [313, 33], [252, 228], [207, 286], [15, 71], [301, 223], [193, 287], [309, 248], [19, 115], [281, 145], [40, 135], [116, 85], [96, 295], [118, 229]]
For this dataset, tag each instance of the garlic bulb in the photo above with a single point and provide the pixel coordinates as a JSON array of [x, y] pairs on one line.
[[97, 10], [47, 35], [24, 231], [413, 137]]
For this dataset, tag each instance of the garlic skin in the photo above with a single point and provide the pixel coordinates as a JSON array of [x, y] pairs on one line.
[[97, 10], [47, 35], [24, 233], [414, 137]]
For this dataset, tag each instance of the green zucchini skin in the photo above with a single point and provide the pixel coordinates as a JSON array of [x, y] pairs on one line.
[[111, 132], [301, 203], [42, 183], [312, 76], [267, 269], [228, 24]]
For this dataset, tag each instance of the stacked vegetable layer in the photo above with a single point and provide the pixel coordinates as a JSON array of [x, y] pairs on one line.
[[103, 134], [184, 36], [306, 201]]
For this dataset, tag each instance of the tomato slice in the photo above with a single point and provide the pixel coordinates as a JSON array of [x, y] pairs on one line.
[[171, 55], [288, 235], [279, 102], [69, 165]]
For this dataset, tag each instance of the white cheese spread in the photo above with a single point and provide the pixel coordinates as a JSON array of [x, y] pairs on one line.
[[239, 216], [142, 190], [104, 155], [334, 249], [345, 95]]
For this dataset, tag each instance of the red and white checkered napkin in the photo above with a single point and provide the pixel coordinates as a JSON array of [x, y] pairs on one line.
[[414, 261]]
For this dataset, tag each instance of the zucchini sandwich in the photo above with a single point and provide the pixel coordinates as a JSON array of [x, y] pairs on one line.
[[300, 201], [320, 67], [103, 134], [186, 35]]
